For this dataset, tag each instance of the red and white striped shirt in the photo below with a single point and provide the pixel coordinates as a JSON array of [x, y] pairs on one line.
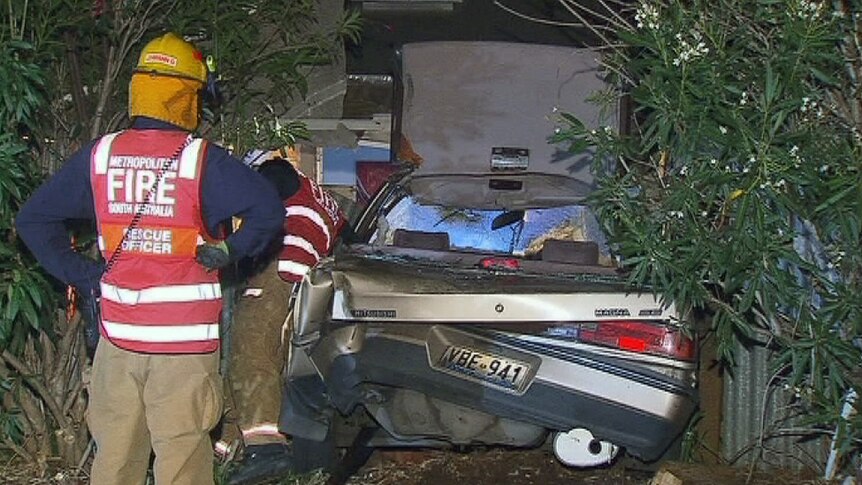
[[312, 224]]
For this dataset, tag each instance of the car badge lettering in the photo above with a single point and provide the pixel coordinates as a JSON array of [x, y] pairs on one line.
[[612, 312], [372, 313], [650, 312]]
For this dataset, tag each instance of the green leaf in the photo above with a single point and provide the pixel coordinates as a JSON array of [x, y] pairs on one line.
[[771, 84], [576, 124], [823, 77]]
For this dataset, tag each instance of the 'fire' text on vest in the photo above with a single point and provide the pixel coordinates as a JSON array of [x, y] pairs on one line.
[[130, 185]]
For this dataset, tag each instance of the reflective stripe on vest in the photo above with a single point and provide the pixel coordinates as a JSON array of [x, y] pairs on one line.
[[162, 294], [103, 152], [188, 158], [161, 333], [267, 429], [154, 240]]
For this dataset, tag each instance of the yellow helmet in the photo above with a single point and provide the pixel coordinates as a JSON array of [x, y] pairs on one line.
[[170, 55]]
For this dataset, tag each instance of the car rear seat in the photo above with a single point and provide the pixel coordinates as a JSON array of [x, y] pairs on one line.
[[573, 252], [438, 241]]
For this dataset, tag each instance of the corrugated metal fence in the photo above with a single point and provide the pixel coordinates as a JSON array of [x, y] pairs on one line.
[[758, 424]]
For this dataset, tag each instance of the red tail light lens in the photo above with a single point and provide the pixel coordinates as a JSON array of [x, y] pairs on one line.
[[500, 263], [640, 337]]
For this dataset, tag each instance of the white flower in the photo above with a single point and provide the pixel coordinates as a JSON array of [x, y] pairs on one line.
[[723, 130], [743, 99], [808, 10], [647, 16], [689, 49], [684, 170], [704, 214], [745, 170], [794, 151], [713, 161]]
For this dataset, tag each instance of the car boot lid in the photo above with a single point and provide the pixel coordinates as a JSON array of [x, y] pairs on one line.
[[488, 109], [399, 291]]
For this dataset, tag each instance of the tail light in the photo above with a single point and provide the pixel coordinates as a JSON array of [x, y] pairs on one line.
[[640, 337], [500, 263]]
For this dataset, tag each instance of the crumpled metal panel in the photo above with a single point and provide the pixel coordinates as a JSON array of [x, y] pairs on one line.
[[313, 302]]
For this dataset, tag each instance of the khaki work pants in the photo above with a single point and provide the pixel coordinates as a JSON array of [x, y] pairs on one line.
[[153, 402], [258, 341]]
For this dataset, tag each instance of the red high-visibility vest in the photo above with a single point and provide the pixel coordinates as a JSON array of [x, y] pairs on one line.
[[155, 298], [312, 223]]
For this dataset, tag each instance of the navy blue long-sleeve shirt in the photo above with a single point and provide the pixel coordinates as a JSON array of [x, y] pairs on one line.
[[228, 188]]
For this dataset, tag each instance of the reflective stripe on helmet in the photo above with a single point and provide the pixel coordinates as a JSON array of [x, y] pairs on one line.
[[171, 55]]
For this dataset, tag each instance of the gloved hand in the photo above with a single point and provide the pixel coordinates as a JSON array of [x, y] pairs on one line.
[[91, 314], [213, 256]]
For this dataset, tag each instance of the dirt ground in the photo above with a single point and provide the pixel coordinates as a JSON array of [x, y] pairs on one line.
[[539, 467], [493, 467], [482, 467]]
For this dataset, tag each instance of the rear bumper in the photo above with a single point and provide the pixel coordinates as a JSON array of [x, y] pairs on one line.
[[639, 410]]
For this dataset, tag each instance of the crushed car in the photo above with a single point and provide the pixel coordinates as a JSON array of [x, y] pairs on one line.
[[480, 303]]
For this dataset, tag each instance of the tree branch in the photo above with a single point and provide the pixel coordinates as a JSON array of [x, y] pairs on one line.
[[37, 386]]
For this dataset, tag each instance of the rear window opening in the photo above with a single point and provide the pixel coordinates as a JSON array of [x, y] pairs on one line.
[[567, 234]]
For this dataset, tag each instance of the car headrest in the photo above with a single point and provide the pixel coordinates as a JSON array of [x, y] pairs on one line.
[[421, 240], [574, 252]]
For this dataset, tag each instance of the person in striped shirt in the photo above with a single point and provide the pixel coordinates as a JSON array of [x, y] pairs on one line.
[[312, 225]]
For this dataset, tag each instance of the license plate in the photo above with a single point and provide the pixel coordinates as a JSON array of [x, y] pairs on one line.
[[493, 369]]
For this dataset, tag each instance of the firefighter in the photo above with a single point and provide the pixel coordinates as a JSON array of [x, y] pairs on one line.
[[313, 223], [158, 196]]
